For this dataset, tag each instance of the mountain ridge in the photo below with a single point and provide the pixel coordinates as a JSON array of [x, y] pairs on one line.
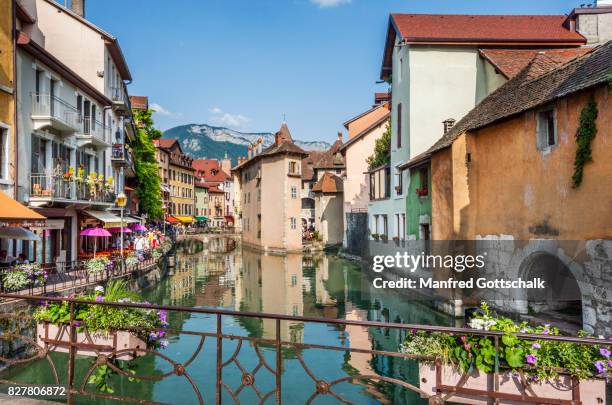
[[203, 141]]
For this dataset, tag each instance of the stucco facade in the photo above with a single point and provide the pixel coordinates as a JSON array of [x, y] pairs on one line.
[[7, 99], [270, 183], [511, 187]]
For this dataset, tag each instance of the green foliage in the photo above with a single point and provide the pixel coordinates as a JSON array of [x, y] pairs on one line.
[[147, 169], [539, 360], [584, 136], [24, 275], [97, 265], [382, 150]]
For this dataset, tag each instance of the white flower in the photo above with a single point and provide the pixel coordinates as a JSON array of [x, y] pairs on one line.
[[99, 289]]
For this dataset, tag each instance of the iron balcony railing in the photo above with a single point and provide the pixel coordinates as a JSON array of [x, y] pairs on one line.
[[48, 106], [51, 186], [241, 361]]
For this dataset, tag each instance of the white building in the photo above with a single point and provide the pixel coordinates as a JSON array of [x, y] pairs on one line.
[[437, 73]]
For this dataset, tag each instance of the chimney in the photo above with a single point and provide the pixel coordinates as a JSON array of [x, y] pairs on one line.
[[340, 136], [259, 145], [78, 6], [448, 124], [250, 151]]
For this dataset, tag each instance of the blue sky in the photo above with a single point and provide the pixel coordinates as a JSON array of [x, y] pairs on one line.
[[245, 63]]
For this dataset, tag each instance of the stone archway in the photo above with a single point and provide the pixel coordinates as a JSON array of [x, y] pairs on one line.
[[562, 299]]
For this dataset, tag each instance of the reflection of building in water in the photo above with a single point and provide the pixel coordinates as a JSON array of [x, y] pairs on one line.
[[272, 284], [182, 280], [321, 277]]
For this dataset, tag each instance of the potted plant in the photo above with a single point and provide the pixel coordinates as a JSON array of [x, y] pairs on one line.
[[105, 329], [69, 174], [422, 192], [542, 368], [97, 265], [109, 183], [80, 175], [375, 236], [384, 237], [24, 276]]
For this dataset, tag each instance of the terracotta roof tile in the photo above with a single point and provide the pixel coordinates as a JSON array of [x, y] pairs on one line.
[[209, 170], [510, 62], [139, 102], [165, 143], [328, 183], [524, 92], [484, 28]]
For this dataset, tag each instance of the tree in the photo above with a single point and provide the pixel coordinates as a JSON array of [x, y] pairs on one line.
[[147, 169], [382, 150]]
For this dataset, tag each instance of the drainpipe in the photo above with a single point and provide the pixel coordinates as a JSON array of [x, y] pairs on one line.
[[15, 132]]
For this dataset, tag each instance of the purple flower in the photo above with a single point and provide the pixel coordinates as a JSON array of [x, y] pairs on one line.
[[163, 343], [77, 324], [163, 315], [161, 333], [44, 303], [546, 331], [99, 298], [536, 345], [152, 336], [610, 363], [531, 359], [604, 352], [600, 366]]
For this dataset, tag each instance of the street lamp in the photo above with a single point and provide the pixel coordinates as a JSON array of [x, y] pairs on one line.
[[121, 201]]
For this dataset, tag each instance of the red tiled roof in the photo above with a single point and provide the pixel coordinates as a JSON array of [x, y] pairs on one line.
[[329, 183], [201, 184], [484, 28], [380, 98], [139, 102], [209, 170], [215, 189], [457, 29], [164, 143], [510, 62]]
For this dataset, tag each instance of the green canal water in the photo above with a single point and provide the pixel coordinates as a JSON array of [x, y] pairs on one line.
[[321, 286]]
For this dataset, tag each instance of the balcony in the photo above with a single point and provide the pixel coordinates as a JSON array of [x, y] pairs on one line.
[[121, 103], [58, 188], [307, 193], [308, 213], [121, 156], [52, 112], [93, 132]]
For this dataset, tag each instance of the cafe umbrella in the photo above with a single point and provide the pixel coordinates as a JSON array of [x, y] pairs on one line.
[[95, 232]]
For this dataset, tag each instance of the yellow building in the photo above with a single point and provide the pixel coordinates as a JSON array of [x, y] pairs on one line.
[[7, 94], [180, 182]]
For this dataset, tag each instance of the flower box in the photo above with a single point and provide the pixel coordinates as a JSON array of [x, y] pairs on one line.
[[57, 339], [592, 391]]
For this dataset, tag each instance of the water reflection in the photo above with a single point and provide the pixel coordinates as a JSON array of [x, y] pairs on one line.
[[219, 273]]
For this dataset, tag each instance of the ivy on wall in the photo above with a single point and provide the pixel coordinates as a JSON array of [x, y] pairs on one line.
[[382, 150], [584, 136]]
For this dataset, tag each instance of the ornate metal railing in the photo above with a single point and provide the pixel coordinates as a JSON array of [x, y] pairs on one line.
[[65, 339], [73, 274]]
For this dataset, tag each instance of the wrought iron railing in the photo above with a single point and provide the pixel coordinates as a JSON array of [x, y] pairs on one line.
[[53, 186], [62, 276], [231, 357], [95, 129]]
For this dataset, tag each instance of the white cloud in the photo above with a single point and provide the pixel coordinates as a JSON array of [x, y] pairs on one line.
[[226, 119], [161, 110], [330, 3]]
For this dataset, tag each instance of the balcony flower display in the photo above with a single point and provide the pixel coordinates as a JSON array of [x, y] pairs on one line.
[[24, 276], [100, 182], [97, 265], [116, 326], [69, 174], [538, 361], [80, 175], [109, 183]]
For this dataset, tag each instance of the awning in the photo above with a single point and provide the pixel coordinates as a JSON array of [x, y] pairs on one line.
[[172, 220], [110, 220], [14, 214], [184, 219], [165, 188], [18, 233], [201, 218]]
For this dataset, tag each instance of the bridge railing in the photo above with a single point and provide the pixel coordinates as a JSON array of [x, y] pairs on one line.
[[269, 354]]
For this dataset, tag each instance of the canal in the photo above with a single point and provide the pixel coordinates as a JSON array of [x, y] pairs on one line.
[[218, 274]]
